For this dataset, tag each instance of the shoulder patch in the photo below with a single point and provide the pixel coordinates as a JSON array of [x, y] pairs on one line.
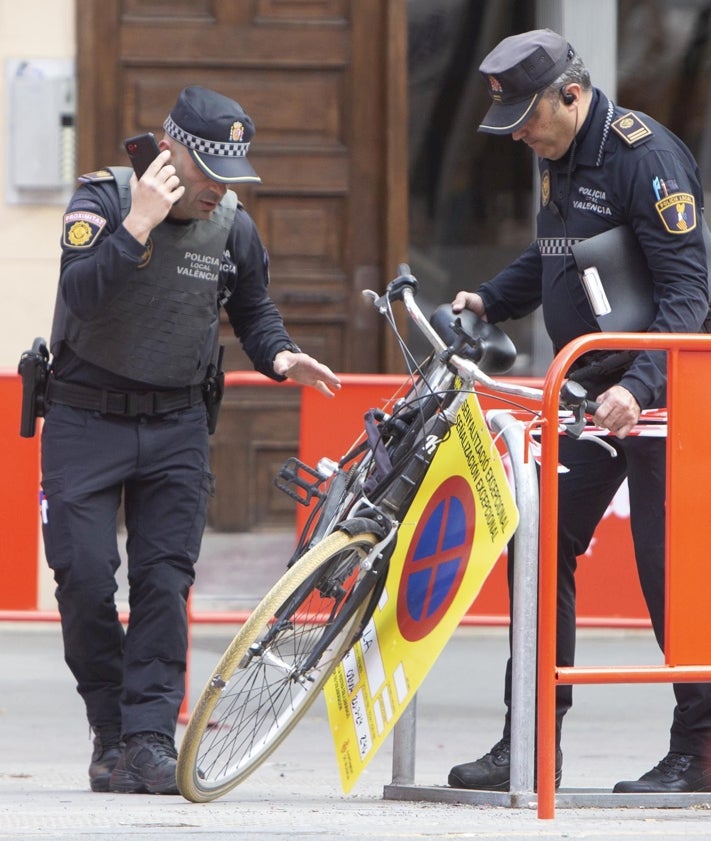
[[97, 176], [82, 228], [677, 212], [631, 129]]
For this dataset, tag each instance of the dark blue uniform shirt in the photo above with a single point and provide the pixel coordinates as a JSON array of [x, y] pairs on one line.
[[642, 176]]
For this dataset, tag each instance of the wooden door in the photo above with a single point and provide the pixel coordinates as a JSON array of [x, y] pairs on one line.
[[325, 82]]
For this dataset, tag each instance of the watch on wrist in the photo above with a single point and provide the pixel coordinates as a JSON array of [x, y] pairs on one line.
[[294, 348]]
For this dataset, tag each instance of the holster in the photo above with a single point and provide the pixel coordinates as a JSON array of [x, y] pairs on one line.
[[33, 368], [213, 390]]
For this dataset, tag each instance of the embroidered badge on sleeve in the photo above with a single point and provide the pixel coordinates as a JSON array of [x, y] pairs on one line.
[[677, 212], [82, 228]]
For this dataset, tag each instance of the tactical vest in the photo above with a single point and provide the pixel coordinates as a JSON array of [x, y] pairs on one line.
[[162, 326]]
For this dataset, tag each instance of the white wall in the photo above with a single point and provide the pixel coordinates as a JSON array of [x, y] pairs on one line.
[[29, 234]]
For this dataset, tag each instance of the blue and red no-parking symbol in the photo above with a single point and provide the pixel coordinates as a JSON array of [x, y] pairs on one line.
[[436, 559]]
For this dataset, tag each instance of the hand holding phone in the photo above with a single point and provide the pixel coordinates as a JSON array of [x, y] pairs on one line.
[[142, 150]]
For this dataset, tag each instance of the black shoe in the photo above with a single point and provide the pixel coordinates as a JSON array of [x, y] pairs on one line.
[[107, 749], [676, 772], [492, 772], [146, 766]]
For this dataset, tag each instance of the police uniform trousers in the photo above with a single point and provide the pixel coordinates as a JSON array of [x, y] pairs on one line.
[[133, 678], [584, 495]]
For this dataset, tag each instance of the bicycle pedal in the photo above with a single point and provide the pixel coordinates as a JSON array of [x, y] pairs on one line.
[[299, 481]]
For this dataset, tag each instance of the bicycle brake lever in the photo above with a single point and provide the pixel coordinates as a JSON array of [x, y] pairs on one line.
[[601, 442], [574, 397], [378, 301], [575, 429], [395, 289]]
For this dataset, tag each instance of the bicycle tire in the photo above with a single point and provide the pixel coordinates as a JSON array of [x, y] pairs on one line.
[[243, 714]]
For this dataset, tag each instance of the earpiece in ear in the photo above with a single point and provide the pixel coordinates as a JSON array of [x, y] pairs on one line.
[[567, 97]]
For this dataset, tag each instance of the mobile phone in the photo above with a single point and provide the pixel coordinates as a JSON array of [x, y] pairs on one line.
[[142, 151]]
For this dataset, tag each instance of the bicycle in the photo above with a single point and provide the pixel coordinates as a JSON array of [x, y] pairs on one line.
[[277, 663]]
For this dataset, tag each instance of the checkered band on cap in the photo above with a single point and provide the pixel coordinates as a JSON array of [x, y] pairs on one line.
[[207, 147]]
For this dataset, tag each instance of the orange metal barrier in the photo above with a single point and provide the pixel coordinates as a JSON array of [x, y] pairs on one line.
[[688, 529], [19, 505]]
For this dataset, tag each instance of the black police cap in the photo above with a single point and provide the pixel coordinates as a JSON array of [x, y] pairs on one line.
[[216, 130], [517, 72]]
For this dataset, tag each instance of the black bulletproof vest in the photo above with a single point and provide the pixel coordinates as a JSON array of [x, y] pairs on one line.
[[162, 325]]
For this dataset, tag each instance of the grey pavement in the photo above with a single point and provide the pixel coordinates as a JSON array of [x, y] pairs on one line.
[[613, 732]]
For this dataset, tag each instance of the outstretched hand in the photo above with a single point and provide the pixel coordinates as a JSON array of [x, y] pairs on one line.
[[306, 370]]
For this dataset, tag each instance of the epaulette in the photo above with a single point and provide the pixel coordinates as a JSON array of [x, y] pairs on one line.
[[631, 129], [96, 177]]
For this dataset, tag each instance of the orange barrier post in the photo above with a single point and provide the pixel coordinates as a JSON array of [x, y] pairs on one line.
[[19, 503], [688, 644], [687, 637]]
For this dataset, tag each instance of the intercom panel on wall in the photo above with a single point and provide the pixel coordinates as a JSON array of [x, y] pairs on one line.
[[40, 150]]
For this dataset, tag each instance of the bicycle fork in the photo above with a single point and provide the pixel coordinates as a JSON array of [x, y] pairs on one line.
[[375, 565]]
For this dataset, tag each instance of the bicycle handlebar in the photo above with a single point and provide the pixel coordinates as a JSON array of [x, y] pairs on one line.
[[573, 395], [404, 288]]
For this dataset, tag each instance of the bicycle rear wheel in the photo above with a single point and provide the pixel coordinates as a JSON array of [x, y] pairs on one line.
[[261, 687]]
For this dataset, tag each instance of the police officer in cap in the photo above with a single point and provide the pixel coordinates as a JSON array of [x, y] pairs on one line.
[[146, 265], [601, 166]]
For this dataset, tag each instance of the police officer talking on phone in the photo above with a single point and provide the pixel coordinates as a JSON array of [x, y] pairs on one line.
[[146, 265], [601, 167]]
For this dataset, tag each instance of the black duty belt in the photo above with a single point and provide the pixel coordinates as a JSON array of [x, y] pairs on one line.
[[130, 404]]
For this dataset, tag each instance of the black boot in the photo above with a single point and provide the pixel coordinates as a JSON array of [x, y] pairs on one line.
[[146, 766], [677, 772], [107, 749], [492, 772]]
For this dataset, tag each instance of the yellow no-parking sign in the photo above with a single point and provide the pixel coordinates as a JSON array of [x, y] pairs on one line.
[[449, 540]]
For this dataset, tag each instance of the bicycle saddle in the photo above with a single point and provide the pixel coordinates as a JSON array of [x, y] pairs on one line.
[[486, 344]]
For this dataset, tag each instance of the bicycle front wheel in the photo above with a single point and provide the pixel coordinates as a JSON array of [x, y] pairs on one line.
[[273, 669]]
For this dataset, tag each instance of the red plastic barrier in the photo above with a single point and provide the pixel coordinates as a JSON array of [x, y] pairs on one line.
[[328, 427], [19, 523]]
